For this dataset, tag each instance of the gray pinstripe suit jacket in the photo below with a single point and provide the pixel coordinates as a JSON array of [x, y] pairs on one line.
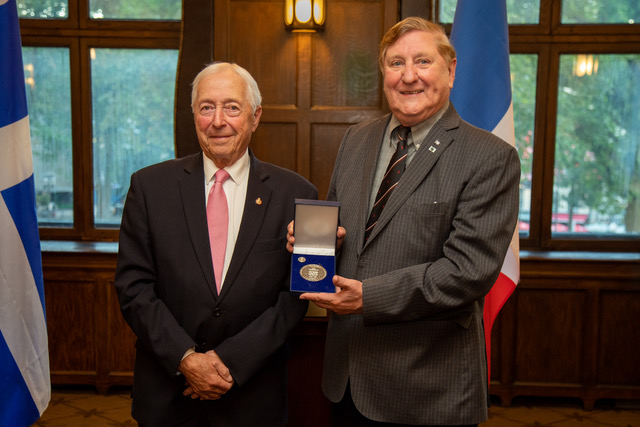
[[416, 355]]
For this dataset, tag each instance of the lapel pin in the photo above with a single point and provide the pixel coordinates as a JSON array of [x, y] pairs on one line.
[[432, 149], [437, 142], [258, 201]]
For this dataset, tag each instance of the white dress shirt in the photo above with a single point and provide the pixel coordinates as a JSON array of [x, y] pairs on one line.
[[235, 188]]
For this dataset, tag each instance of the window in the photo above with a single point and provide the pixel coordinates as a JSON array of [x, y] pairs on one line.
[[132, 109], [49, 101], [140, 9], [518, 11], [596, 167], [600, 12], [43, 9], [100, 78], [575, 72]]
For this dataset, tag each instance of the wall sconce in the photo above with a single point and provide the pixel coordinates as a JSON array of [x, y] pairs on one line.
[[304, 15], [585, 65]]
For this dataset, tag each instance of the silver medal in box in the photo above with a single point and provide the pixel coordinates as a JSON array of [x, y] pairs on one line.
[[313, 260]]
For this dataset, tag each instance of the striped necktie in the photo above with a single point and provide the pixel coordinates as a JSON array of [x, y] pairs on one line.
[[391, 178]]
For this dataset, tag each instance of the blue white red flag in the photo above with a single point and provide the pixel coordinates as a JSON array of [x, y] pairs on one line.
[[25, 386], [482, 96]]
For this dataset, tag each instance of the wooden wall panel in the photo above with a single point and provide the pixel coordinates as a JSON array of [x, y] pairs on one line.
[[275, 143], [258, 42], [345, 69], [325, 142], [121, 337], [567, 329], [72, 325], [550, 325], [619, 336]]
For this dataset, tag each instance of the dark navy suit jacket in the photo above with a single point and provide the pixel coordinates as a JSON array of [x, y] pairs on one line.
[[167, 293]]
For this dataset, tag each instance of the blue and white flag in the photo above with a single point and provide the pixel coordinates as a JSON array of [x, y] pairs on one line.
[[482, 96], [25, 385]]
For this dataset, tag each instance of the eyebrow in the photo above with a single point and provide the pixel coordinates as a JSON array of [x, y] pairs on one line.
[[223, 102], [417, 55]]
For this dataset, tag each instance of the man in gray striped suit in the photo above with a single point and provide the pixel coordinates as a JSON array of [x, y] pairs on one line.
[[405, 343]]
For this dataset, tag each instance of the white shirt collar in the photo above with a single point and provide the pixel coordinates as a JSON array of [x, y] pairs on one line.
[[237, 171]]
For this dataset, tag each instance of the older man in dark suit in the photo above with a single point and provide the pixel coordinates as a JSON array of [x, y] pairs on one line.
[[429, 204], [210, 306]]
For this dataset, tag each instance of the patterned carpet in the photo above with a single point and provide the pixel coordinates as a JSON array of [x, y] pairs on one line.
[[84, 407]]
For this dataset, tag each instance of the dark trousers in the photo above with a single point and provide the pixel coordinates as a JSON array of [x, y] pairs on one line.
[[345, 414]]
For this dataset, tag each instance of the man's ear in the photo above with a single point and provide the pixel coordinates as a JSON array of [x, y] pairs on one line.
[[256, 118]]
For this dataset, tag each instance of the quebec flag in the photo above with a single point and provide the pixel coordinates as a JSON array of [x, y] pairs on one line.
[[25, 386], [482, 96]]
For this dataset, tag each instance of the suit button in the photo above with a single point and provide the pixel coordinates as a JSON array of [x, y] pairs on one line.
[[217, 312]]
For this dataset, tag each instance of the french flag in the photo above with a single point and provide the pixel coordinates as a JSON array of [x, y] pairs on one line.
[[25, 385], [482, 96]]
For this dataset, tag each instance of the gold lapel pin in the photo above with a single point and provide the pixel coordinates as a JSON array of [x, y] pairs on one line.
[[258, 201]]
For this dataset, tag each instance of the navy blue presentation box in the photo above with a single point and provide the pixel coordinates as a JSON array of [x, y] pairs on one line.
[[313, 261]]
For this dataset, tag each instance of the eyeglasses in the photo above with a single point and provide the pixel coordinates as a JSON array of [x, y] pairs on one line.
[[229, 110]]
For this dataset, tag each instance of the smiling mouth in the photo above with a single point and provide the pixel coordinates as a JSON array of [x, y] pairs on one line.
[[415, 92]]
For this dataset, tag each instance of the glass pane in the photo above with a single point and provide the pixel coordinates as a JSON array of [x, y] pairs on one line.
[[601, 12], [596, 187], [518, 11], [523, 88], [132, 94], [47, 78], [43, 9], [165, 10]]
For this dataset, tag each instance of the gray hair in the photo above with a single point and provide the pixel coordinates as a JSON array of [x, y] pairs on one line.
[[253, 92]]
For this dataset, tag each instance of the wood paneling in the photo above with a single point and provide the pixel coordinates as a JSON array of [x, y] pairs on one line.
[[88, 338], [325, 142], [618, 335], [258, 42], [119, 336], [344, 63], [568, 330], [276, 143], [538, 331], [71, 315]]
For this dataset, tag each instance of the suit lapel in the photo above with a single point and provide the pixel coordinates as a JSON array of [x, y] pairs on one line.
[[193, 204], [255, 208], [435, 143]]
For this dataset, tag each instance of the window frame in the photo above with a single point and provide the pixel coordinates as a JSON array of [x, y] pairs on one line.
[[79, 33], [590, 242], [549, 39]]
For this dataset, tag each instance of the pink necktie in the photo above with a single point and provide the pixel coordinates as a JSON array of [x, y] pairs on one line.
[[218, 220]]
